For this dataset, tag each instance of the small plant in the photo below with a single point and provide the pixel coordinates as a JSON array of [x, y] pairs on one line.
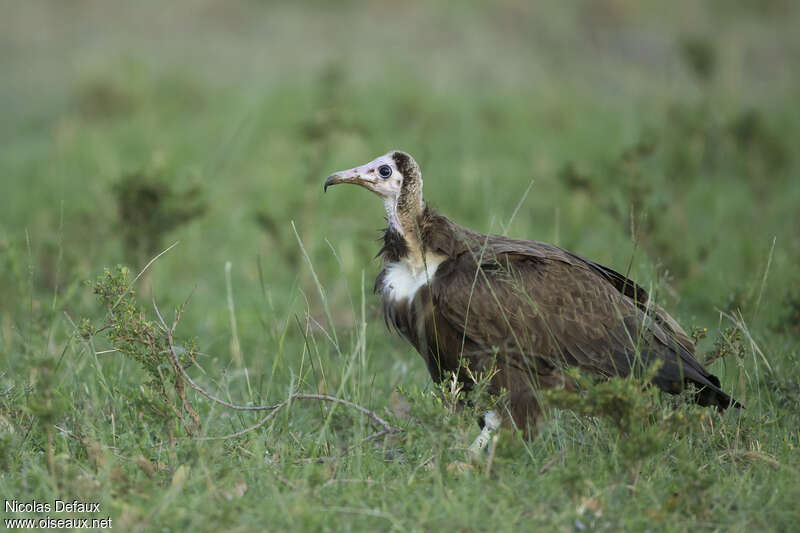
[[730, 342], [784, 389], [130, 333], [455, 403], [698, 334], [700, 56], [44, 403], [790, 318], [575, 179], [149, 208], [756, 141], [635, 410], [153, 346], [105, 99]]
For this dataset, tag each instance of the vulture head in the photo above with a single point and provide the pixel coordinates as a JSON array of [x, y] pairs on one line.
[[396, 178]]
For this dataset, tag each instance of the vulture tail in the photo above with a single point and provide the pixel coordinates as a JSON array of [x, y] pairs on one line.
[[677, 373], [710, 394]]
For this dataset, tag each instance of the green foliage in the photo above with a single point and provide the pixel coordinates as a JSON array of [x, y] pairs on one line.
[[645, 425], [131, 334], [101, 99], [445, 414], [761, 145], [729, 343], [659, 140], [148, 208], [44, 402], [790, 319], [700, 56]]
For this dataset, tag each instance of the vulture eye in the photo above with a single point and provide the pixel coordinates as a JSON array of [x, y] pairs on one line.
[[384, 171]]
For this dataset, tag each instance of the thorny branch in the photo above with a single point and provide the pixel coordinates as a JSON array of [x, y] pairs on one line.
[[275, 408]]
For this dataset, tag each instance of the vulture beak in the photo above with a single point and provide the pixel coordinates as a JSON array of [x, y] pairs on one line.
[[333, 179], [356, 176]]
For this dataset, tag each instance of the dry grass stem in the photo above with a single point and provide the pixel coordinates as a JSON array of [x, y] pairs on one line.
[[181, 375]]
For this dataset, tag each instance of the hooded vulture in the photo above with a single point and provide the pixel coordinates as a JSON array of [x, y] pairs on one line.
[[528, 309]]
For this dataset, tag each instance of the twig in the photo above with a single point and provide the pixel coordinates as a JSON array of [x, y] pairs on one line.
[[153, 260], [516, 209], [738, 321], [336, 480], [180, 373], [83, 440], [350, 448], [372, 415], [374, 436], [549, 464], [387, 428], [236, 348], [171, 353], [492, 450], [283, 479], [321, 291], [764, 278]]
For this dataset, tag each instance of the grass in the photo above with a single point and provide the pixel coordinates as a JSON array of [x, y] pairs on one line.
[[657, 141]]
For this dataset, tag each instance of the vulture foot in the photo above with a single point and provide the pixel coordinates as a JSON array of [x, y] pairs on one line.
[[491, 421]]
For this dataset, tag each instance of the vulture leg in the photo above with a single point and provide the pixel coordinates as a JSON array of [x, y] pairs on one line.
[[524, 404], [491, 421]]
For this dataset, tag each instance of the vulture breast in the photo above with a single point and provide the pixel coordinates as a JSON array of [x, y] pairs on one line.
[[401, 280]]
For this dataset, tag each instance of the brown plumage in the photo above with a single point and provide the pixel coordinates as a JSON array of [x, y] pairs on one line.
[[530, 309]]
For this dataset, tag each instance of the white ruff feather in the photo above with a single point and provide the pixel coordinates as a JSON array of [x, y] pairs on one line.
[[402, 282]]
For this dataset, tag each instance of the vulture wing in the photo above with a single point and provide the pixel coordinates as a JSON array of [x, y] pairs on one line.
[[538, 307]]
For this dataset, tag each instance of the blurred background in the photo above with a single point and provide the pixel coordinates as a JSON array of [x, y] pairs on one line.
[[651, 137], [657, 138]]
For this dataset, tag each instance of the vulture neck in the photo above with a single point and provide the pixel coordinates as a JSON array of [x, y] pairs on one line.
[[403, 238]]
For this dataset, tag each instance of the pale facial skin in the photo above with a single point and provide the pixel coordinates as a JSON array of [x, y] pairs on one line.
[[380, 176], [373, 176]]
